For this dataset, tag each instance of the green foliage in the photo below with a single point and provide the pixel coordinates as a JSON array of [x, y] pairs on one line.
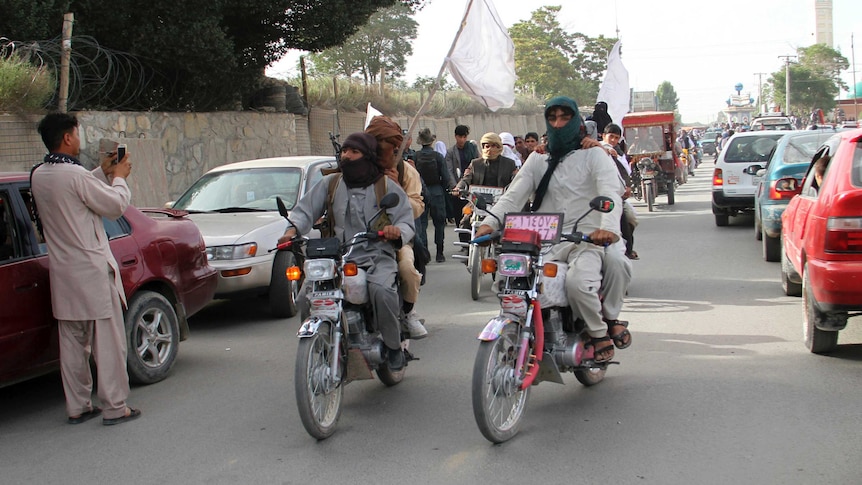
[[550, 61], [354, 96], [197, 54], [667, 97], [383, 43], [23, 86], [815, 80]]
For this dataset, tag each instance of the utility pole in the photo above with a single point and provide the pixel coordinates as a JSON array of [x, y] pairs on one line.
[[760, 90], [787, 83]]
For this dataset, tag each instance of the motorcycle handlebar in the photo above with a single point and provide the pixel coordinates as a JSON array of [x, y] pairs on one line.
[[579, 237]]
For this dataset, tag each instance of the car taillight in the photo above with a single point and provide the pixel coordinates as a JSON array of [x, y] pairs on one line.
[[844, 235], [783, 189], [717, 178]]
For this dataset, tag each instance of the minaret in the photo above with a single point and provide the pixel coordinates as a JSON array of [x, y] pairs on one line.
[[823, 26]]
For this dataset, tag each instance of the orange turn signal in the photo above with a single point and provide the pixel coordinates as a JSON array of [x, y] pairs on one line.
[[228, 273], [293, 273], [549, 270], [489, 265], [350, 269]]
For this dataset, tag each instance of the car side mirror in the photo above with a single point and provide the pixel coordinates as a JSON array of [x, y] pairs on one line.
[[752, 169]]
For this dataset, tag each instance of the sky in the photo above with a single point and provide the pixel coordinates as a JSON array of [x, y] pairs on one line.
[[702, 48]]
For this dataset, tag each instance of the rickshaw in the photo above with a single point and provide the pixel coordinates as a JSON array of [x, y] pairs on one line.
[[655, 166]]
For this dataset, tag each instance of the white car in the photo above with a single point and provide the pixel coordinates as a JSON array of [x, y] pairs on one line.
[[735, 179], [771, 123], [234, 206]]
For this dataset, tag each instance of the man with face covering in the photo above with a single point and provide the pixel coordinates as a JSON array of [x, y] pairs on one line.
[[354, 204], [577, 175]]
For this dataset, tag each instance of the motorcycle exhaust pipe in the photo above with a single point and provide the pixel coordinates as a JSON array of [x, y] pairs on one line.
[[572, 354]]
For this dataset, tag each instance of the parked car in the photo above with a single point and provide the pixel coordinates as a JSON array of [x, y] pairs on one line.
[[708, 141], [821, 257], [234, 207], [779, 182], [734, 178], [165, 276]]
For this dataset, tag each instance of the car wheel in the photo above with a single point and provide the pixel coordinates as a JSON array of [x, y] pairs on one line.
[[816, 340], [153, 337], [790, 288], [670, 195], [282, 292], [771, 247], [758, 228], [722, 220]]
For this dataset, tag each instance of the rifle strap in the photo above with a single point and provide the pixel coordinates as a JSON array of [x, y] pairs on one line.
[[543, 184]]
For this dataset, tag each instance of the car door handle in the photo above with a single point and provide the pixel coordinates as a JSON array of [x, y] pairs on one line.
[[130, 262], [29, 287]]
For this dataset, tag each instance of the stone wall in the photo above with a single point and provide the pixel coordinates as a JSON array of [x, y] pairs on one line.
[[179, 147]]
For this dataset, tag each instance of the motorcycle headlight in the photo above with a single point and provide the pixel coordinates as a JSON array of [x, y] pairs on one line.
[[226, 253], [319, 269], [514, 265]]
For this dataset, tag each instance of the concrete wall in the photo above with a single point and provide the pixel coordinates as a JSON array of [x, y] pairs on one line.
[[172, 150]]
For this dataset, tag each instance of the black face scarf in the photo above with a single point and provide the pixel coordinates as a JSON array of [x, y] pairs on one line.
[[360, 173]]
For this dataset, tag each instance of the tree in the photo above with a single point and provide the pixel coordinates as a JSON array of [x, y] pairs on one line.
[[550, 61], [667, 98], [383, 43], [815, 80], [196, 54]]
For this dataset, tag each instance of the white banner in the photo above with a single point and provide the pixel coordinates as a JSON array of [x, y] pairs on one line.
[[615, 86]]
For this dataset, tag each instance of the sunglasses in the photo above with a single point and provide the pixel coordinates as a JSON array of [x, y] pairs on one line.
[[491, 145]]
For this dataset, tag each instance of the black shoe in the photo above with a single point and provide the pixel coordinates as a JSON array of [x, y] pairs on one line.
[[395, 359], [441, 258]]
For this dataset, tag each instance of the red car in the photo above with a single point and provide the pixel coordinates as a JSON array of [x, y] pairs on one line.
[[165, 275], [821, 257]]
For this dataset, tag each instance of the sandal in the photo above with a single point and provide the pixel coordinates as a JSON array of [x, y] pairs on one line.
[[622, 340], [606, 350]]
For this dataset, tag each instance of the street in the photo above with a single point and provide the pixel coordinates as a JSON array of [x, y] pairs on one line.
[[716, 388]]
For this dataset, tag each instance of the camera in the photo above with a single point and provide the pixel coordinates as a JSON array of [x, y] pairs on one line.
[[121, 152]]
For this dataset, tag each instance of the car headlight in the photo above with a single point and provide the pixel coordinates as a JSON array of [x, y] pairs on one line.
[[227, 253], [319, 269]]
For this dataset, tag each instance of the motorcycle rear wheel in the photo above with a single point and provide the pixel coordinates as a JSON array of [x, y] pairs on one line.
[[318, 398], [498, 401], [476, 255]]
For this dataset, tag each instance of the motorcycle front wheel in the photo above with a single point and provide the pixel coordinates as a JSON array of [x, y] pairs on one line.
[[476, 255], [498, 401], [318, 396]]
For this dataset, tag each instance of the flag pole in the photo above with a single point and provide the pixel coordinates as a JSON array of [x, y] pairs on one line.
[[436, 83]]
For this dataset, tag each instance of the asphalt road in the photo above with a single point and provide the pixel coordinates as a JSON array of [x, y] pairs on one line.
[[717, 388]]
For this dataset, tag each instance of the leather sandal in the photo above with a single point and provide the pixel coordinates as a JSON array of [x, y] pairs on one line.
[[622, 340], [606, 350]]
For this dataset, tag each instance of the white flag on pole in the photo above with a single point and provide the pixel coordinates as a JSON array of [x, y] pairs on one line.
[[615, 86], [483, 58], [370, 112]]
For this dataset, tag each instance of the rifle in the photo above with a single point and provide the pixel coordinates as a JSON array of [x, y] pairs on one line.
[[335, 145]]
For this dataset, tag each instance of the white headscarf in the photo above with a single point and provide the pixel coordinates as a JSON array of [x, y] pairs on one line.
[[440, 147], [509, 148]]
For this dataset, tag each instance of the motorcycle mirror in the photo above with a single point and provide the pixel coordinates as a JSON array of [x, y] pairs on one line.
[[481, 204], [282, 209], [389, 201], [602, 204]]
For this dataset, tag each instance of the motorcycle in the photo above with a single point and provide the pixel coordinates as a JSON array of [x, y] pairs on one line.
[[337, 343], [648, 170], [536, 336], [476, 254]]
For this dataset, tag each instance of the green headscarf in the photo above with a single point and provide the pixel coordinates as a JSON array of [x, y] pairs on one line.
[[563, 140]]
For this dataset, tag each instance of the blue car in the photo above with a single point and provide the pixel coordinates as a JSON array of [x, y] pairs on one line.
[[779, 182]]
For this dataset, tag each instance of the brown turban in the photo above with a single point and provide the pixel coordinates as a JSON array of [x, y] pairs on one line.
[[383, 128]]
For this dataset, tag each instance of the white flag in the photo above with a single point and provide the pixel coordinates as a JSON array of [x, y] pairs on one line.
[[483, 57], [615, 86], [370, 112]]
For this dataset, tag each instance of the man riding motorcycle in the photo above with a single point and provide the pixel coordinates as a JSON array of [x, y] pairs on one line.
[[354, 203], [565, 180]]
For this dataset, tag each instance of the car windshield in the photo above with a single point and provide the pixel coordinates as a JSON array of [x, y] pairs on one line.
[[711, 136], [247, 190], [644, 139], [800, 149], [751, 148]]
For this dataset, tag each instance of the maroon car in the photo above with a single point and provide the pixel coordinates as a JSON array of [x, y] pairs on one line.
[[165, 275]]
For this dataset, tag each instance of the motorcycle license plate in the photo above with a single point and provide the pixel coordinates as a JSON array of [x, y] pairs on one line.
[[548, 225], [325, 294]]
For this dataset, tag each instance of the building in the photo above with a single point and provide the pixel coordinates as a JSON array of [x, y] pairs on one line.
[[823, 19]]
